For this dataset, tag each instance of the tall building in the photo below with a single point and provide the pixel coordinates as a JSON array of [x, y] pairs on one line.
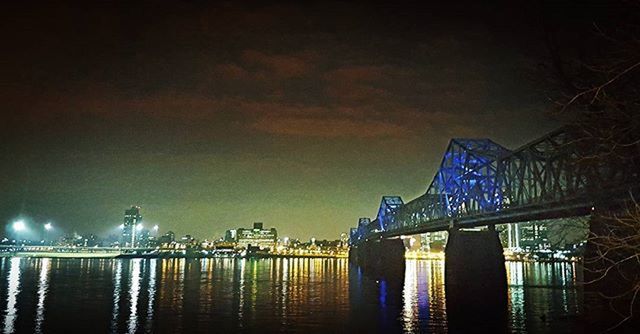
[[525, 236], [132, 218], [509, 235], [434, 241], [257, 236], [533, 236]]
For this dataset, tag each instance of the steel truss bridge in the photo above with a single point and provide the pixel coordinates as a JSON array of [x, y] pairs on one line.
[[480, 183]]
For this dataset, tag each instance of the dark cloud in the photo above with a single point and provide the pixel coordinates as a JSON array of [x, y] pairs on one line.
[[212, 116]]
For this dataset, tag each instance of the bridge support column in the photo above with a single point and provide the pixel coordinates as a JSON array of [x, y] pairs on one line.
[[383, 257], [475, 278]]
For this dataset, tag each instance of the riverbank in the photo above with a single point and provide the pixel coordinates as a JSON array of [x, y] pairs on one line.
[[159, 255]]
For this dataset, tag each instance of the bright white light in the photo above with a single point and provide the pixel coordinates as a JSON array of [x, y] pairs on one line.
[[48, 226], [19, 226], [139, 227], [156, 227], [121, 226]]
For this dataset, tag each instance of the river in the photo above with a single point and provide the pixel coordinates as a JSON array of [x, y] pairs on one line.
[[262, 295]]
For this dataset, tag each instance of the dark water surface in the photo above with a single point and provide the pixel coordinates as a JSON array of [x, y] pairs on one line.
[[261, 295]]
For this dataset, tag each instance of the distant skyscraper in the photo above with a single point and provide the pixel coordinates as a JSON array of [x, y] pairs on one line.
[[510, 235], [132, 218], [533, 236], [434, 241], [527, 236]]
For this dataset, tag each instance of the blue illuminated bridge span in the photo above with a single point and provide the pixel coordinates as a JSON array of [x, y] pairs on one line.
[[480, 183]]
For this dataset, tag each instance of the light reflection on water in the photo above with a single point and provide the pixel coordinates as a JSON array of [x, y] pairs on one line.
[[12, 295], [543, 297], [43, 286], [152, 294], [116, 296], [423, 297], [133, 293], [301, 295]]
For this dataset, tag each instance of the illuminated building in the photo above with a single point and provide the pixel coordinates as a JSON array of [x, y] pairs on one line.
[[527, 236], [509, 235], [434, 241], [533, 236], [132, 218], [255, 237], [144, 238]]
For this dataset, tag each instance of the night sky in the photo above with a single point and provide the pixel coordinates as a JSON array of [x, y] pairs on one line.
[[212, 117]]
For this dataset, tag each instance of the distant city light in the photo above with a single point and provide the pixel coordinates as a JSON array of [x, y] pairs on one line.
[[19, 226], [139, 227], [156, 228], [121, 226], [48, 226]]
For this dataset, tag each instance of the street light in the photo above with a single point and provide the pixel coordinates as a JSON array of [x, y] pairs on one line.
[[19, 226], [47, 227]]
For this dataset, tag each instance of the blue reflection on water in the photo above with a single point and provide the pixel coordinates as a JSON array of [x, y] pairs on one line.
[[383, 293]]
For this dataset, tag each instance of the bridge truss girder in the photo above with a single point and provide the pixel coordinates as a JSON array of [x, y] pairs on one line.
[[480, 182]]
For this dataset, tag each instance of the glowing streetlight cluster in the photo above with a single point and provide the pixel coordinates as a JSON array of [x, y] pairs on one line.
[[21, 226]]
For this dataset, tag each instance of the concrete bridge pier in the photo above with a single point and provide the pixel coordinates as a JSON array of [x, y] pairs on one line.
[[475, 279], [384, 257]]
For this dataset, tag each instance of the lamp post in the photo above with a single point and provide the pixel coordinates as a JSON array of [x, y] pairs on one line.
[[18, 226], [47, 227]]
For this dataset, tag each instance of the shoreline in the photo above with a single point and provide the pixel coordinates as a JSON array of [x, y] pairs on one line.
[[261, 256]]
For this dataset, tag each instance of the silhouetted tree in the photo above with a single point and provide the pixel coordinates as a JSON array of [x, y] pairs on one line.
[[594, 52], [570, 231]]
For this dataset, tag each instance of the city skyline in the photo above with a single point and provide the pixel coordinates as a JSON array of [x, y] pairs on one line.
[[320, 166], [24, 228]]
